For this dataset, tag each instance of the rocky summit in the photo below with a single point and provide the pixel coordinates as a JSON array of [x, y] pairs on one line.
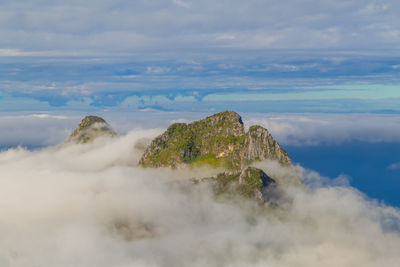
[[218, 140], [90, 128]]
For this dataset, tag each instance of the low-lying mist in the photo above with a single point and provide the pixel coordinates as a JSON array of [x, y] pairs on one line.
[[91, 205]]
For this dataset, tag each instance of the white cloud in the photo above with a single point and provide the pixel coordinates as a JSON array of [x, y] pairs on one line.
[[394, 166], [45, 116], [36, 130], [104, 27], [17, 53], [181, 3], [43, 129], [314, 129], [90, 205], [391, 35], [372, 9], [225, 37], [158, 70]]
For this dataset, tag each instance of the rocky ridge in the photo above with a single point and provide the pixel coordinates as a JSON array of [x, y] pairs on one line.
[[220, 141]]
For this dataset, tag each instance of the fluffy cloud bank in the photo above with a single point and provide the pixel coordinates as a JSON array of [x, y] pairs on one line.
[[44, 129], [316, 129], [91, 205], [34, 130]]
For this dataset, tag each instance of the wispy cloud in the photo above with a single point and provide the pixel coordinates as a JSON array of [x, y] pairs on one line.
[[274, 76], [394, 166], [181, 3], [43, 129]]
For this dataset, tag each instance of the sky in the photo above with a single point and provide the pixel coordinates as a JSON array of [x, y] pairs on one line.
[[179, 55], [124, 27]]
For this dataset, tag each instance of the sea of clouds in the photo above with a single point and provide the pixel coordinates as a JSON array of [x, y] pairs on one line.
[[46, 129], [92, 205]]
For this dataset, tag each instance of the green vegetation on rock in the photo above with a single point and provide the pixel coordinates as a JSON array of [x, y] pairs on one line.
[[249, 183], [218, 140]]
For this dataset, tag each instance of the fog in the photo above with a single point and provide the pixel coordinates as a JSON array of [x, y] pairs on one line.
[[91, 205]]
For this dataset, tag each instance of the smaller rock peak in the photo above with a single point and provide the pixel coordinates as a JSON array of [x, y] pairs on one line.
[[89, 121], [90, 128]]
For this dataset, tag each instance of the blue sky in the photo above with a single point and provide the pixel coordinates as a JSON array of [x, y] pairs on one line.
[[266, 81]]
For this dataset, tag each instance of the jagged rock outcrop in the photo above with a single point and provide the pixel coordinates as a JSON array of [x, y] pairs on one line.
[[90, 128], [250, 182], [259, 145], [218, 140]]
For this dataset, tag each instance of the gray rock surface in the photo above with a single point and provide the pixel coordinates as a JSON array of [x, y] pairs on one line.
[[260, 145]]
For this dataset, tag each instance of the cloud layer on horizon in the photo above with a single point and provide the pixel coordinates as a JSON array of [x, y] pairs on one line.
[[250, 81], [35, 130], [318, 129]]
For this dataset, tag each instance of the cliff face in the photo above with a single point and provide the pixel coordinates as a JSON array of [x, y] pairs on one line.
[[260, 145], [90, 128], [218, 140]]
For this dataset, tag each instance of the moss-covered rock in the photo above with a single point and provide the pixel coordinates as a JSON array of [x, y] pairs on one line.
[[211, 141], [249, 183], [90, 128], [218, 140]]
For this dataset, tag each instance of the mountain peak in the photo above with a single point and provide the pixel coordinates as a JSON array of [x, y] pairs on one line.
[[218, 140], [228, 116]]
